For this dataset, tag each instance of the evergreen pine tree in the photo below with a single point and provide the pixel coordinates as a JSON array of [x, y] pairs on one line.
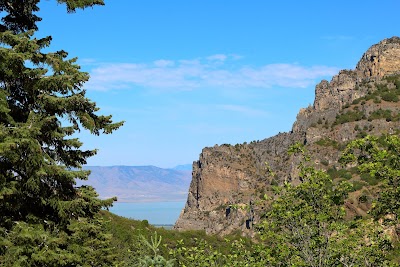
[[45, 219]]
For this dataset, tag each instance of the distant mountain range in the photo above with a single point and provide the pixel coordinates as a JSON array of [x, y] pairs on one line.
[[140, 183]]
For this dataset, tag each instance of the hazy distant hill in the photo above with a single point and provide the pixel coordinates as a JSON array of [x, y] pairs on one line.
[[140, 183]]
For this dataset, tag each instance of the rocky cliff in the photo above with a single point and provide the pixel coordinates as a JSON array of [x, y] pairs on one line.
[[229, 181]]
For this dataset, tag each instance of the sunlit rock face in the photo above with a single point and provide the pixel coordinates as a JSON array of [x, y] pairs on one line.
[[229, 181]]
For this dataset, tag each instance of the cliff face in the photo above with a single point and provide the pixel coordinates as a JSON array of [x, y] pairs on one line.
[[228, 181]]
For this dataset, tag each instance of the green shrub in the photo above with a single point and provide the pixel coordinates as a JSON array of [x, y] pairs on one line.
[[327, 142], [361, 134], [349, 116], [380, 114], [342, 173], [366, 177], [363, 199], [377, 100], [345, 174], [381, 87], [390, 96], [325, 162], [397, 84], [358, 185]]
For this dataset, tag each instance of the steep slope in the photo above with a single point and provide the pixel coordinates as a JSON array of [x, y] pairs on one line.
[[228, 180], [139, 183]]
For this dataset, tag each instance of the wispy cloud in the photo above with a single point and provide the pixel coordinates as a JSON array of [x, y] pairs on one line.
[[218, 57], [214, 71]]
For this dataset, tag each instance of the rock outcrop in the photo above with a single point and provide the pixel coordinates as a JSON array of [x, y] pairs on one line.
[[228, 181]]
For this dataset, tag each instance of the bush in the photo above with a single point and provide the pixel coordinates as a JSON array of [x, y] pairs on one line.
[[361, 134], [366, 177], [342, 173], [327, 142], [349, 116], [377, 100], [363, 199], [390, 96], [325, 162], [397, 84], [358, 185], [381, 114]]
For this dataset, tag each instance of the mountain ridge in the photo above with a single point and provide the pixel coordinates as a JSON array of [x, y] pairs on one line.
[[138, 183], [354, 103]]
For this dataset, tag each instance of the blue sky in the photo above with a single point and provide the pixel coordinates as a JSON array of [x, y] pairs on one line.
[[189, 74]]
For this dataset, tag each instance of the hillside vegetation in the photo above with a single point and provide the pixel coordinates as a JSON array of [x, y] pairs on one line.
[[302, 225]]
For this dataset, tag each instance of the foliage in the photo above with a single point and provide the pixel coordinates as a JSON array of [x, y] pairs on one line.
[[342, 173], [300, 222], [390, 96], [127, 240], [203, 254], [155, 260], [383, 91], [46, 220], [381, 114], [361, 243], [305, 225], [358, 185], [366, 177], [326, 142], [349, 116], [380, 159]]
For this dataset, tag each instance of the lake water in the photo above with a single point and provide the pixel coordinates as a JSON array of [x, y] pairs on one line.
[[154, 212]]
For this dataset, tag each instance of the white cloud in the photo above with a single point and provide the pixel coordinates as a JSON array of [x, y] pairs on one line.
[[218, 57], [218, 70], [87, 61], [162, 63]]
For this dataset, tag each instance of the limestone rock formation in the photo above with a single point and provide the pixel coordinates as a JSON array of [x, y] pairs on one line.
[[228, 181], [381, 59]]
